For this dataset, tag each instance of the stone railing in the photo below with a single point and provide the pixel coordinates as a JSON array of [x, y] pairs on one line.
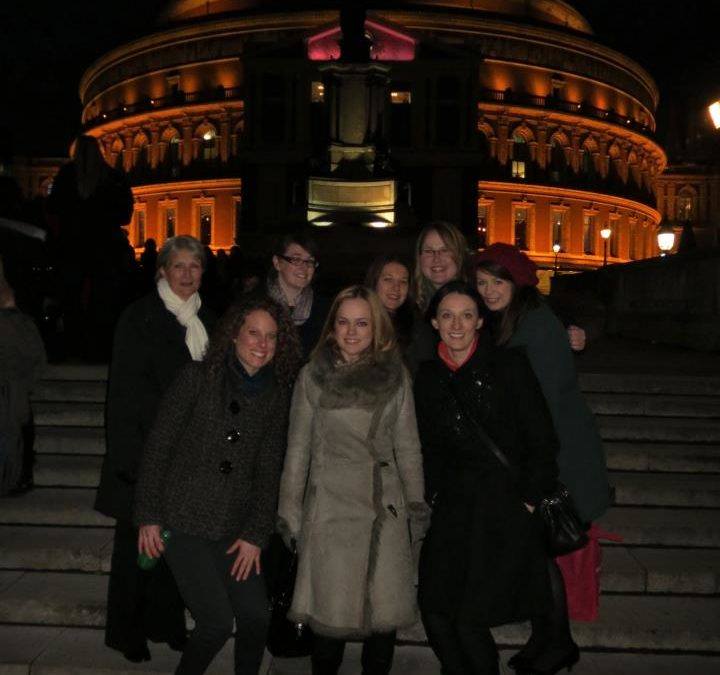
[[672, 300]]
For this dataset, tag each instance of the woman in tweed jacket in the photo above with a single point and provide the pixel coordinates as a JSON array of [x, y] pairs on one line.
[[210, 475]]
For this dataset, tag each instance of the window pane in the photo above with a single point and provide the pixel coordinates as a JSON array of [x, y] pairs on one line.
[[205, 224], [482, 226], [589, 234], [140, 228], [169, 223], [558, 223], [521, 228]]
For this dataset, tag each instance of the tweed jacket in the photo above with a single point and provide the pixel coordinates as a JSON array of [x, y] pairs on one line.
[[351, 483], [195, 478]]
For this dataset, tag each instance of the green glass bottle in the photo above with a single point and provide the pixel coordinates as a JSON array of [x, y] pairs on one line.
[[144, 561]]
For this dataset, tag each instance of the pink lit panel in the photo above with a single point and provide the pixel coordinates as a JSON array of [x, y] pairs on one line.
[[388, 44]]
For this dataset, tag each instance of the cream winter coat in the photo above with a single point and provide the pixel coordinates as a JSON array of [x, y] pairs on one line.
[[351, 485]]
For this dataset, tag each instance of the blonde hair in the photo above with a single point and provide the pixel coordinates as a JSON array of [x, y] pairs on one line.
[[383, 332], [423, 290]]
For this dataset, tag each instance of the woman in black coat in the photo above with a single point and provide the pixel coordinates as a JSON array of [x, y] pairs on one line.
[[209, 477], [155, 337], [482, 562]]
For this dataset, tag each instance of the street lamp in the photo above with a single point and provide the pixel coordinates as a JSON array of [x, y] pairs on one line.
[[556, 250], [665, 239], [605, 233]]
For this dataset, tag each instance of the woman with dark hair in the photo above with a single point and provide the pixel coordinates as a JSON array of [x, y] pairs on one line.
[[209, 479], [155, 337], [389, 276], [91, 202], [290, 283], [482, 562], [506, 279], [352, 488]]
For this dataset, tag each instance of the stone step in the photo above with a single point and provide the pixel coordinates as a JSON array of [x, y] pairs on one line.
[[76, 371], [682, 457], [33, 650], [667, 527], [71, 390], [626, 621], [625, 570], [663, 429], [69, 414], [666, 489], [660, 405], [53, 506], [68, 470], [69, 440], [647, 383], [83, 549]]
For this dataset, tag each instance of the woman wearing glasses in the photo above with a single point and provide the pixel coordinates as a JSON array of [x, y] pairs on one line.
[[351, 485], [209, 476], [290, 283]]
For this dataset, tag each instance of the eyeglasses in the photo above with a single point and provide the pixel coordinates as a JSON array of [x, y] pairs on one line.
[[432, 252], [300, 262]]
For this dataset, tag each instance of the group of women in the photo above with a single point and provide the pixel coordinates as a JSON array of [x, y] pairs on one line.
[[380, 444]]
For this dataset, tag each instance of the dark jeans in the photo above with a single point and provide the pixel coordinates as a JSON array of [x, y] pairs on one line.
[[462, 649], [377, 654], [142, 604], [202, 571]]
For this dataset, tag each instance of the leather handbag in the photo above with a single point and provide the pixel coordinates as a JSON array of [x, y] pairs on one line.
[[286, 639], [564, 530]]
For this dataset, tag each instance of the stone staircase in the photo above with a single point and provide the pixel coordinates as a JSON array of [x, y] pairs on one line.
[[660, 609]]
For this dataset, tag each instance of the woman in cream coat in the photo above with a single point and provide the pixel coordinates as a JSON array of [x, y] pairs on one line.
[[351, 493]]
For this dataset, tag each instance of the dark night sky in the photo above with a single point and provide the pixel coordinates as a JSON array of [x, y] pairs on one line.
[[45, 47]]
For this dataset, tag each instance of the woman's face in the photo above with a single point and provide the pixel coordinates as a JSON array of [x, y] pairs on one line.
[[495, 292], [183, 273], [295, 268], [436, 260], [457, 320], [256, 341], [392, 285], [353, 330]]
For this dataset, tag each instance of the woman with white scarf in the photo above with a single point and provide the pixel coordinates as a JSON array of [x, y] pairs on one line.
[[154, 338]]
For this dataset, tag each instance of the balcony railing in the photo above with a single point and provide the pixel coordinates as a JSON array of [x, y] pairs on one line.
[[511, 97], [173, 100]]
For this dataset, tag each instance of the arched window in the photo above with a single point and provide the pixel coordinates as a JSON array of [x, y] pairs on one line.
[[685, 206]]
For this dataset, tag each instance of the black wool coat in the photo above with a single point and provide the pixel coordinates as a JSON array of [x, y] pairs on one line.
[[483, 558], [148, 352]]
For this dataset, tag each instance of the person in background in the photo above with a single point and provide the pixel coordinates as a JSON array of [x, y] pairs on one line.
[[389, 276], [155, 337], [482, 562], [209, 476], [290, 283], [148, 264], [22, 360], [507, 282], [351, 494]]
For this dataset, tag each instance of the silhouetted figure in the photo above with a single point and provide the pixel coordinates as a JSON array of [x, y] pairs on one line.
[[91, 201], [148, 265]]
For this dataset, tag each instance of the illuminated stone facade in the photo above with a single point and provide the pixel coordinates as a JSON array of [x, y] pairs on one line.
[[505, 117]]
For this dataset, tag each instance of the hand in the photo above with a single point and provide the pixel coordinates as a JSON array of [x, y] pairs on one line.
[[529, 507], [149, 541], [248, 556], [577, 338]]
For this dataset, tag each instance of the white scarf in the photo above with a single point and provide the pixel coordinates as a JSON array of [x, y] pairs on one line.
[[185, 311]]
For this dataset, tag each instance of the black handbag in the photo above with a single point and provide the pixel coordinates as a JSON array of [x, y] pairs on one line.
[[286, 639], [564, 531]]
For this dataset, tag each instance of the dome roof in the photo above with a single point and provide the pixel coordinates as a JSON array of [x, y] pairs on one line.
[[554, 12]]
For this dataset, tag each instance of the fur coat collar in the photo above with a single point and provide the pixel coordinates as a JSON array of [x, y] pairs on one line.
[[366, 384]]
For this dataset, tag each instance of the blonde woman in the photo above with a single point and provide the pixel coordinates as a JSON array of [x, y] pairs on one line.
[[351, 483]]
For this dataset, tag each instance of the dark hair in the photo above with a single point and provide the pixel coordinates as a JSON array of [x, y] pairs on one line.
[[288, 353], [299, 238], [91, 169], [522, 300], [404, 316], [460, 287]]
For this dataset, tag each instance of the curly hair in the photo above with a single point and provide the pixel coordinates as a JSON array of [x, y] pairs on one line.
[[288, 352]]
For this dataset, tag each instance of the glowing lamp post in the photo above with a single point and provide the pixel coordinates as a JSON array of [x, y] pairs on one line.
[[556, 250], [665, 239], [605, 233], [714, 110]]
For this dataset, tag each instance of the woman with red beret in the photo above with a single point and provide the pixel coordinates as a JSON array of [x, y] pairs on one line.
[[507, 282]]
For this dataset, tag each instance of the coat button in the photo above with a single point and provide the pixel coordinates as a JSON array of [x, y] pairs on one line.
[[226, 466]]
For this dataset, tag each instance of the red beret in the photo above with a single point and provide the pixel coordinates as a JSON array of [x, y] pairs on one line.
[[522, 270]]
